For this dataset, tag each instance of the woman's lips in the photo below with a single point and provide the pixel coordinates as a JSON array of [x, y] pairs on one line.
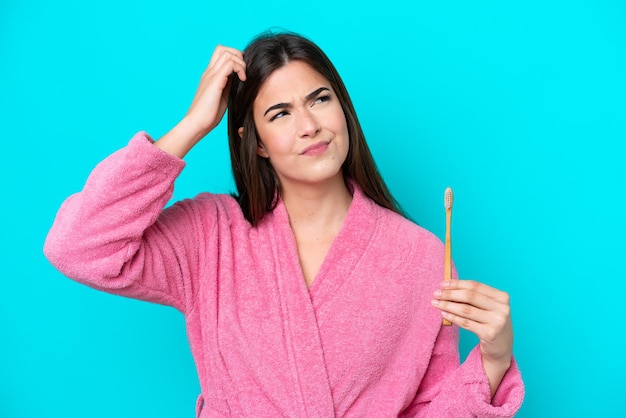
[[315, 149]]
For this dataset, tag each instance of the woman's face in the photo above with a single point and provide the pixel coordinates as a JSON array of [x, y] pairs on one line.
[[301, 126]]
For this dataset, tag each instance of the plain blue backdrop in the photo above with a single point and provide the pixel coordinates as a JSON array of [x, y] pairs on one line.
[[520, 106]]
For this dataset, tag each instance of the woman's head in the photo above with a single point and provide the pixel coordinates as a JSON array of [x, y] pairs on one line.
[[256, 180]]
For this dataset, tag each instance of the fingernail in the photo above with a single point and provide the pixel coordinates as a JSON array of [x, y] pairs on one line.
[[438, 293], [434, 302], [446, 283]]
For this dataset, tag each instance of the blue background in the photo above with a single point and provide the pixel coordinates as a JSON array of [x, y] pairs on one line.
[[520, 106]]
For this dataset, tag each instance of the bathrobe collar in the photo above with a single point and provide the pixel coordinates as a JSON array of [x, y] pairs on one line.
[[299, 303]]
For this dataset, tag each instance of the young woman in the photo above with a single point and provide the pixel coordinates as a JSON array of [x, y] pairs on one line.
[[307, 294]]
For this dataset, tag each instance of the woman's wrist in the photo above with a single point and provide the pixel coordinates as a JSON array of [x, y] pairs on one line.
[[495, 370], [181, 138]]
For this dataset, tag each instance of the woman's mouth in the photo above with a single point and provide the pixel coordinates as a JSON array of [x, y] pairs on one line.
[[315, 149]]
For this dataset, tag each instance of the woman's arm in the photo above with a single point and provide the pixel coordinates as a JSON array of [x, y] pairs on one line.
[[114, 235]]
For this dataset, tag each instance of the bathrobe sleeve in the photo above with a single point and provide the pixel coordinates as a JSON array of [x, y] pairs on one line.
[[452, 390], [114, 235]]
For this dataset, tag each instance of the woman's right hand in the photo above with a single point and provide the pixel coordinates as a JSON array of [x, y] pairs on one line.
[[211, 99], [209, 103]]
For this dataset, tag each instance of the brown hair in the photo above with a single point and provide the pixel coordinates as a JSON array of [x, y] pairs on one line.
[[256, 181]]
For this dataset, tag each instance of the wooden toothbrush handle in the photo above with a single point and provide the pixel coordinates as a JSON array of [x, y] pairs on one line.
[[447, 262]]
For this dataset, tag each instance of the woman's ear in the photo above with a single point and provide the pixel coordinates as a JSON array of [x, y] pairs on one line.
[[260, 150]]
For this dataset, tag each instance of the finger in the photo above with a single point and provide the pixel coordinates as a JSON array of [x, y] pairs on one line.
[[224, 67], [232, 51], [470, 312], [469, 298], [487, 325], [463, 322], [223, 52], [239, 68], [225, 60], [474, 287], [489, 333]]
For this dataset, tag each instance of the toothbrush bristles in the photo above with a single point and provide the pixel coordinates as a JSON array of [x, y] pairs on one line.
[[447, 198]]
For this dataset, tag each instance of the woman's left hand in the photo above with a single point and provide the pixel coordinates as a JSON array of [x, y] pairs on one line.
[[486, 312]]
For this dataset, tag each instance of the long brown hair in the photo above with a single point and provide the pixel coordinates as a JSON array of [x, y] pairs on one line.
[[257, 183]]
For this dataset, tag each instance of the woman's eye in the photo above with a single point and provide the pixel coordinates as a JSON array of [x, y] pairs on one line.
[[322, 99], [278, 115]]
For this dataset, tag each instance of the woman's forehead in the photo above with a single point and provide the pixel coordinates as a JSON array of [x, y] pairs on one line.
[[294, 80]]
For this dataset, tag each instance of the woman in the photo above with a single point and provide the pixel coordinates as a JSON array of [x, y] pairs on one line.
[[307, 294]]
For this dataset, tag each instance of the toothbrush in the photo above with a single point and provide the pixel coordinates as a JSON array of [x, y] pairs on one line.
[[447, 261]]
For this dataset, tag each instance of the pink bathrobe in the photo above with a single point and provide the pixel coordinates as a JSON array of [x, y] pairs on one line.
[[362, 341]]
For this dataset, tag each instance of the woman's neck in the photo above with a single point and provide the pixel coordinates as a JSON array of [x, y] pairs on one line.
[[318, 205], [316, 215]]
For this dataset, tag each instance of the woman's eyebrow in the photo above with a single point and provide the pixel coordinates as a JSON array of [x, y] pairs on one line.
[[276, 106], [308, 97], [312, 95]]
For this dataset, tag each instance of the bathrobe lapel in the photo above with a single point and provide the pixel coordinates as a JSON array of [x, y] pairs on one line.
[[348, 248], [299, 304], [306, 354]]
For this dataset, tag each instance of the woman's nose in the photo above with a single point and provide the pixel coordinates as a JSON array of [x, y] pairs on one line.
[[308, 125]]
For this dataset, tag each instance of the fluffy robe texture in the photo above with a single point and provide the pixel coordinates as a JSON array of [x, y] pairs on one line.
[[363, 340]]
